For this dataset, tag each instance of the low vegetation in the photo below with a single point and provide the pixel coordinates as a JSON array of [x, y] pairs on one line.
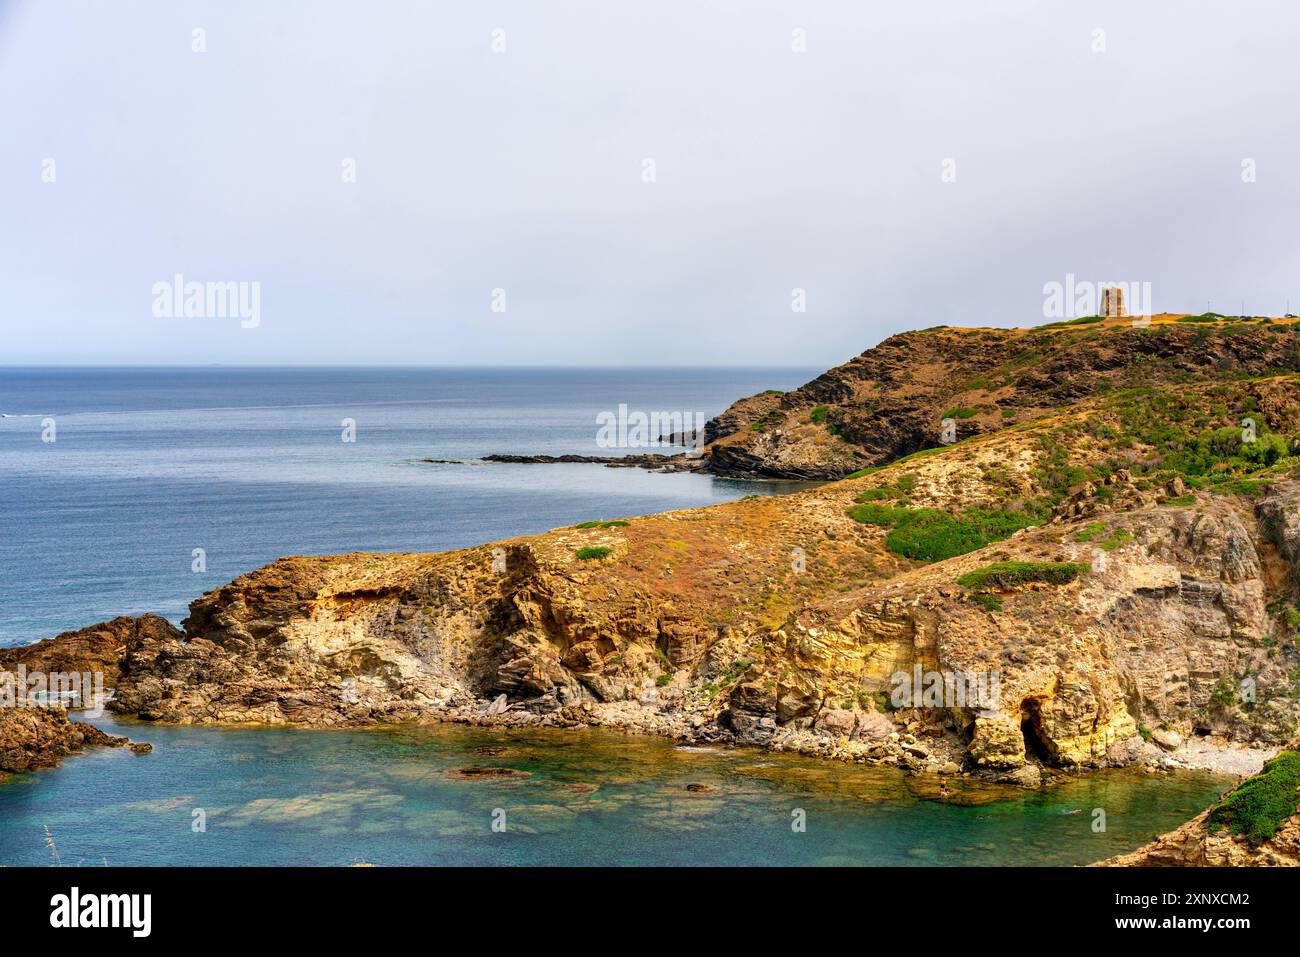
[[1262, 804], [987, 601], [593, 552], [617, 523], [933, 535], [1104, 537], [1009, 574]]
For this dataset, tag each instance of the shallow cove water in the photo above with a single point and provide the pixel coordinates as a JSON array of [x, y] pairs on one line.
[[399, 796]]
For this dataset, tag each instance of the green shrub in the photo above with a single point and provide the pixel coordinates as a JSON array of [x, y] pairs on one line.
[[820, 414], [1224, 695], [617, 523], [876, 494], [870, 513], [987, 601], [1292, 618], [960, 413], [1262, 804], [592, 552], [1106, 539], [1252, 487], [933, 535], [663, 680], [1093, 530], [1006, 574]]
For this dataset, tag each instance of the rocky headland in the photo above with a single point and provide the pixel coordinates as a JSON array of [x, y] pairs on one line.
[[1110, 531]]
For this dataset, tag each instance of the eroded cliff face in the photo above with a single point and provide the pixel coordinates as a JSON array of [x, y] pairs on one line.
[[786, 621], [97, 649], [1145, 640]]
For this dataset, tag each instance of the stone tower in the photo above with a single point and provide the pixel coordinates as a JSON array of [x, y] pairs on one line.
[[1112, 301]]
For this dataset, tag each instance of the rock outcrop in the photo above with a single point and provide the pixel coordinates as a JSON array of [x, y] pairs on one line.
[[35, 735], [97, 649], [36, 738]]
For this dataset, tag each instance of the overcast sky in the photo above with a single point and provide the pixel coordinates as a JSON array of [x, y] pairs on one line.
[[524, 170]]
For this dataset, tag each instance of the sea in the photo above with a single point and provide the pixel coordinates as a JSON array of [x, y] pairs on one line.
[[137, 490]]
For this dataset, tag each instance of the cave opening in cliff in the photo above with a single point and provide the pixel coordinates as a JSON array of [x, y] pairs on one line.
[[1031, 727]]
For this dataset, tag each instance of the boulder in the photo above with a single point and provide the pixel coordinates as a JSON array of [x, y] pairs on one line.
[[997, 741]]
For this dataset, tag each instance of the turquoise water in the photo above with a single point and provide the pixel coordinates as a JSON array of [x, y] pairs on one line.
[[396, 797]]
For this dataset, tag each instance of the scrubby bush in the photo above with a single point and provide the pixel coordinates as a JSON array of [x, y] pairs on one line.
[[1262, 804], [933, 535], [987, 601], [1007, 574]]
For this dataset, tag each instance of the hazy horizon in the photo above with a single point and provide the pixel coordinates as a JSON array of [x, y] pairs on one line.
[[587, 186]]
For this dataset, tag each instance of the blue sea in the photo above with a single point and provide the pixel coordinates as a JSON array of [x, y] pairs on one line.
[[248, 464]]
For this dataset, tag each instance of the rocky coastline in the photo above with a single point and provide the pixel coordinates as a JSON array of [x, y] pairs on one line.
[[1102, 535]]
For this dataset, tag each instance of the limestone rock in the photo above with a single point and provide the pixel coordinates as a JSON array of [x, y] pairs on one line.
[[997, 741]]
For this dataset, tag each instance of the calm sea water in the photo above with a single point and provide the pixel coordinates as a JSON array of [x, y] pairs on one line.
[[249, 465], [396, 797]]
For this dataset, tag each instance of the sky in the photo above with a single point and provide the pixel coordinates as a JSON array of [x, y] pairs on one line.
[[580, 182]]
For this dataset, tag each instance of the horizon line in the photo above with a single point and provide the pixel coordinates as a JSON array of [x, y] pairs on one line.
[[385, 365]]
